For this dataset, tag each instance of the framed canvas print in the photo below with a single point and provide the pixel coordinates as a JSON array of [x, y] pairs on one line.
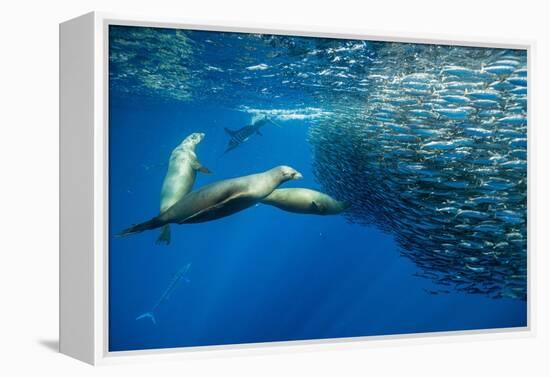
[[229, 187]]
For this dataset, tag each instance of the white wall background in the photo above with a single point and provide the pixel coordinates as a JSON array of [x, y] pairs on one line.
[[29, 184]]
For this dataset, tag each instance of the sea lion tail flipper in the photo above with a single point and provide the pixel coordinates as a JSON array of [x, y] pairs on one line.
[[151, 224], [164, 237]]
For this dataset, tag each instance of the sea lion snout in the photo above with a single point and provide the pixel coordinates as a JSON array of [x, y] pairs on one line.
[[195, 138], [290, 173]]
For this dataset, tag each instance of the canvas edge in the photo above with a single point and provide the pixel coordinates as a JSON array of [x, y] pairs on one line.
[[76, 178], [103, 356]]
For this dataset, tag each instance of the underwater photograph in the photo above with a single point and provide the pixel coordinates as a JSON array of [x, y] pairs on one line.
[[270, 188]]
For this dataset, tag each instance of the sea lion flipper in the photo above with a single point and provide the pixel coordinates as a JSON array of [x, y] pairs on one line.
[[205, 170], [199, 167], [211, 208], [155, 222], [164, 237], [319, 208]]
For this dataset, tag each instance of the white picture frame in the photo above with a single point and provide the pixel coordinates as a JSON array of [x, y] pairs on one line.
[[84, 188]]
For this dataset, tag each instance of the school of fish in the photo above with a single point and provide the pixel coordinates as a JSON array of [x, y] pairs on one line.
[[438, 157]]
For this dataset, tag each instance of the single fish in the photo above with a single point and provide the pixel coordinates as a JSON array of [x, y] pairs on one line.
[[166, 294], [243, 134]]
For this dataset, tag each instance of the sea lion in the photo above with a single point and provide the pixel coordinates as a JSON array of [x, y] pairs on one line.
[[302, 200], [219, 199], [180, 177]]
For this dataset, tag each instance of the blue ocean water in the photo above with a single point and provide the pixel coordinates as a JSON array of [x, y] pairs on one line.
[[260, 275]]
